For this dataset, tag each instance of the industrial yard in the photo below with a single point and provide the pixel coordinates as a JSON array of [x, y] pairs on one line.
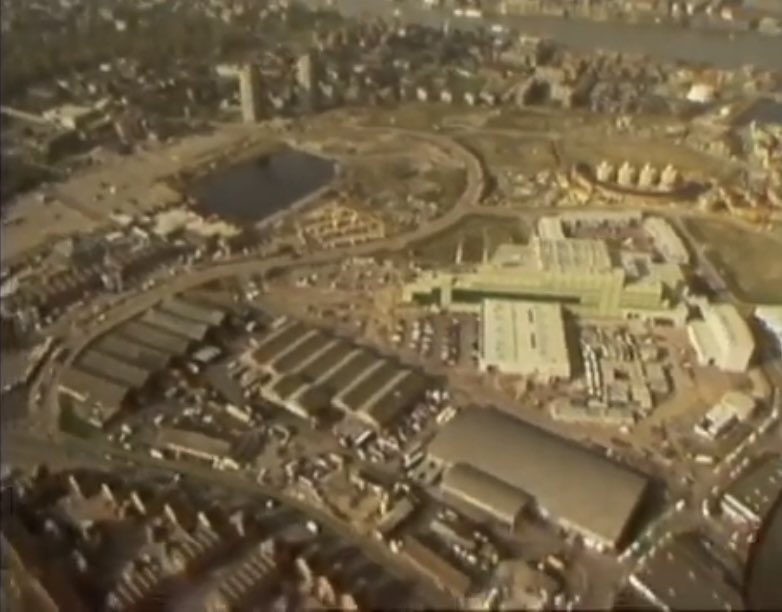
[[412, 308]]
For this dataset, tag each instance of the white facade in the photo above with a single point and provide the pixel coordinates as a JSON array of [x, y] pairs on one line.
[[667, 241], [732, 408], [525, 338], [550, 228], [722, 339], [249, 90]]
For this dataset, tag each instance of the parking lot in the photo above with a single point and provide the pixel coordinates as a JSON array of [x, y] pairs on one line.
[[449, 340]]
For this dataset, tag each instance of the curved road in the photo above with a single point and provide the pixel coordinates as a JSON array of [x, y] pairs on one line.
[[45, 416]]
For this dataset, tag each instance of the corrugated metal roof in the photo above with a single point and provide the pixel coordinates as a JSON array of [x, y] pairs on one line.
[[193, 312], [89, 387], [485, 492], [117, 370], [154, 337], [128, 350], [175, 325], [584, 490]]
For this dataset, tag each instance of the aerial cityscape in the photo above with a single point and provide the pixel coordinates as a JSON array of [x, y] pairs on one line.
[[391, 304]]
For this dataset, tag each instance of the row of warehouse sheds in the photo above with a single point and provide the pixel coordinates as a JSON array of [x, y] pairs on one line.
[[498, 463], [122, 363], [312, 373]]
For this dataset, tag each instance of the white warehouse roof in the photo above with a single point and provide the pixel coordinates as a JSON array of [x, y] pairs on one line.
[[524, 338], [723, 338], [581, 489], [485, 492]]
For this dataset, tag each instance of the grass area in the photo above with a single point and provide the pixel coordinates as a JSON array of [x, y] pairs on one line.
[[751, 262], [639, 151], [73, 424], [476, 234], [411, 115], [535, 120], [525, 154]]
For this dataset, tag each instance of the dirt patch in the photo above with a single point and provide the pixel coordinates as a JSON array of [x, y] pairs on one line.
[[750, 262], [474, 236]]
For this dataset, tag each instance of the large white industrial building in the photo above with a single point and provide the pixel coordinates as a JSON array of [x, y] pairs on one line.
[[579, 274], [667, 241], [502, 465], [526, 338], [722, 338]]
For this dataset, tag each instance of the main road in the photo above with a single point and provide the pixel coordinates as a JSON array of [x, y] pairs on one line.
[[80, 334]]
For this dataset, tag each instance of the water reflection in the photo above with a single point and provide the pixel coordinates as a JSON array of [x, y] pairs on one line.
[[249, 191]]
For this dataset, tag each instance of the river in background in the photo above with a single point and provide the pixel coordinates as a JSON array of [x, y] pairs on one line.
[[249, 191], [660, 41]]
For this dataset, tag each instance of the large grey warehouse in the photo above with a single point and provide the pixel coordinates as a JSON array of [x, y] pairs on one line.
[[579, 489]]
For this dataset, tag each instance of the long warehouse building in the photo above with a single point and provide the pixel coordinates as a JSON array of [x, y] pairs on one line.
[[580, 274], [581, 490], [524, 338]]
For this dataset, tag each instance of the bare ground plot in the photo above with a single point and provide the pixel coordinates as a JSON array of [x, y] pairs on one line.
[[327, 360], [409, 174], [639, 151], [477, 236], [302, 352], [542, 119], [371, 385], [528, 155], [349, 372], [30, 223], [414, 116], [269, 349], [750, 262]]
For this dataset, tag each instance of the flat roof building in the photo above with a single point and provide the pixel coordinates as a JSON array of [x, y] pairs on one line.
[[192, 330], [105, 397], [145, 357], [666, 240], [722, 338], [187, 309], [578, 488], [117, 370], [578, 274], [485, 493], [733, 407], [154, 337], [526, 338], [550, 228]]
